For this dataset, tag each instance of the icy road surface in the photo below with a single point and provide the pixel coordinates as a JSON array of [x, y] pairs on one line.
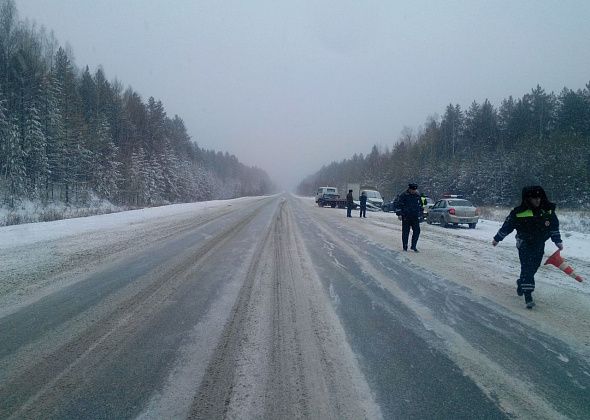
[[274, 308]]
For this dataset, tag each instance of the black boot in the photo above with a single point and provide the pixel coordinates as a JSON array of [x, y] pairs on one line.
[[528, 299], [518, 288]]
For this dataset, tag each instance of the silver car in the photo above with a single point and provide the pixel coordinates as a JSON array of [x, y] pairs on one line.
[[453, 211]]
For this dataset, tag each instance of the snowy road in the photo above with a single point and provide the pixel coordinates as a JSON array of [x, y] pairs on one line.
[[275, 308]]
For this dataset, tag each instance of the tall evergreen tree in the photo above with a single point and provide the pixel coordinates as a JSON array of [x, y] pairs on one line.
[[573, 116], [452, 126], [543, 112], [156, 122], [8, 24], [89, 98], [76, 158], [106, 173], [54, 129], [13, 169]]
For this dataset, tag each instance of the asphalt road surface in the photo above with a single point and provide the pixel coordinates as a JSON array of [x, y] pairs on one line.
[[269, 309]]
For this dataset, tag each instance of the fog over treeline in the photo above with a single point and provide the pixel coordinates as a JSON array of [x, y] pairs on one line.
[[67, 134], [485, 152]]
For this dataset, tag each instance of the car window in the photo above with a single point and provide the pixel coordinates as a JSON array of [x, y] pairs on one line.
[[460, 203], [373, 194]]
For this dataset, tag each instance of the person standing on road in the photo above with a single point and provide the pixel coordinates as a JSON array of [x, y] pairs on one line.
[[349, 204], [363, 206], [424, 202], [535, 221], [410, 210], [423, 199]]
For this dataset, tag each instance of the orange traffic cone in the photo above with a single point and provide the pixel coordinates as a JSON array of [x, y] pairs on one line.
[[558, 261]]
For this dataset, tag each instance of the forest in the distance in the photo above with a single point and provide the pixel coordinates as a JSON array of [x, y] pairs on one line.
[[487, 153], [69, 134]]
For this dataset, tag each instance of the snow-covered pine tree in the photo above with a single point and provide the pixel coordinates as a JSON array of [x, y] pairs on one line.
[[35, 147], [156, 120], [54, 129], [170, 173], [76, 156], [106, 173], [13, 171], [139, 188]]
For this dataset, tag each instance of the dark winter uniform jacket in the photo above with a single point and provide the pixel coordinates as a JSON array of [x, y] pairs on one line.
[[349, 199], [363, 200], [532, 226], [410, 205]]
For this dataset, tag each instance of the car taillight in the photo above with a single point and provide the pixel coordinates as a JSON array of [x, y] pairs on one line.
[[452, 211]]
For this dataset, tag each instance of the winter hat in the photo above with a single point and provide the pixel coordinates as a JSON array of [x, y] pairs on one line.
[[536, 191], [533, 191]]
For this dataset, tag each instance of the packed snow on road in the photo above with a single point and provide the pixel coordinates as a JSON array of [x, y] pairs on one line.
[[270, 307]]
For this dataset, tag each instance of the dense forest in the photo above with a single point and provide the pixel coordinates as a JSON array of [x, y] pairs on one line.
[[486, 153], [67, 134]]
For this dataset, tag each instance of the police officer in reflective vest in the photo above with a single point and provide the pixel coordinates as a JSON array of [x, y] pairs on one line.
[[423, 200], [535, 221], [424, 203]]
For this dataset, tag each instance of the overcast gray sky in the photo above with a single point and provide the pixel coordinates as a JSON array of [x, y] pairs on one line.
[[291, 85]]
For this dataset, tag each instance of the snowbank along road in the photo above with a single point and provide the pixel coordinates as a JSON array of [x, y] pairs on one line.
[[274, 308]]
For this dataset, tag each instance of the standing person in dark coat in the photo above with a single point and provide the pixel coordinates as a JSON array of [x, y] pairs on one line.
[[363, 207], [409, 213], [349, 204], [535, 221]]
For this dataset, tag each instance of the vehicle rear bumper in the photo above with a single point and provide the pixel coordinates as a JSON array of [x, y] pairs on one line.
[[466, 219]]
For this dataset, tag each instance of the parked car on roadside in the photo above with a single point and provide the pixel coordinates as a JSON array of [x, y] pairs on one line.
[[453, 211], [391, 206], [428, 206], [374, 199]]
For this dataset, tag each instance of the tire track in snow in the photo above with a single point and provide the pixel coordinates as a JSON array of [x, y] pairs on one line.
[[39, 387], [283, 330], [479, 338]]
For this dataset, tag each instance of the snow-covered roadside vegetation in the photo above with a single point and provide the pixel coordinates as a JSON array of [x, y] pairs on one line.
[[569, 220], [28, 211]]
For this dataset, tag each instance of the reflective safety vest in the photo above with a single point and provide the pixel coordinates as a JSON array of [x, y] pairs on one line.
[[529, 213]]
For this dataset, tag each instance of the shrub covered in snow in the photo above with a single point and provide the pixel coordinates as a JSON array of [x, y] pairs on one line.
[[569, 220]]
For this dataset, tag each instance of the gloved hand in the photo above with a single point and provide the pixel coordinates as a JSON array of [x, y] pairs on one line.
[[399, 217], [560, 246], [494, 242]]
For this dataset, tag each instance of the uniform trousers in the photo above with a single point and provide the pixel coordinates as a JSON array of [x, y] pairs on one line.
[[531, 256], [407, 224]]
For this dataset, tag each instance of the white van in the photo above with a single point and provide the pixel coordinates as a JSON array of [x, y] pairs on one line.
[[374, 199]]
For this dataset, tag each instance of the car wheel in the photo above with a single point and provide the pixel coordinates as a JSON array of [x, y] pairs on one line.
[[443, 223], [472, 225], [428, 220]]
